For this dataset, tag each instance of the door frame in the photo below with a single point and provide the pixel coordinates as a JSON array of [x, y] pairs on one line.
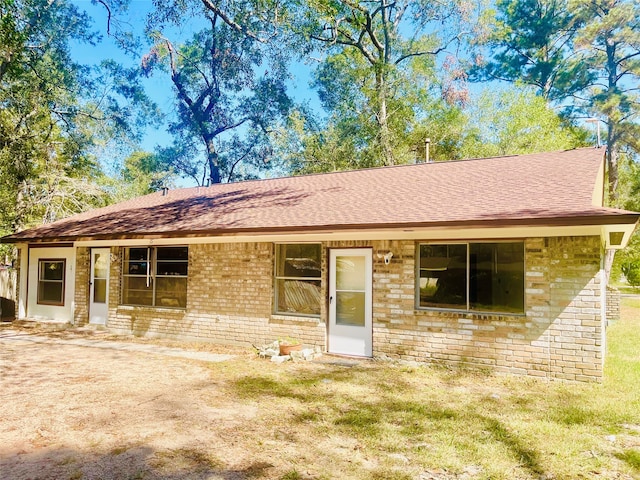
[[362, 346], [98, 312]]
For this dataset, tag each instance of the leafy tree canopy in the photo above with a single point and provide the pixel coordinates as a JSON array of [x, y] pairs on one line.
[[53, 112], [380, 58], [230, 88]]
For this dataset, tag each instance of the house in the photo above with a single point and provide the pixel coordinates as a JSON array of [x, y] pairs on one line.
[[493, 262]]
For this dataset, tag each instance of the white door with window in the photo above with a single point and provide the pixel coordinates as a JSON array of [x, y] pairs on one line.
[[99, 286], [350, 302]]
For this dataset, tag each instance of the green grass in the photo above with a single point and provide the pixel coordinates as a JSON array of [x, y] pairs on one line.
[[383, 420]]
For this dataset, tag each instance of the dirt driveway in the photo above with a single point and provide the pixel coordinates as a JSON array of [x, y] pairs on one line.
[[72, 411], [75, 405]]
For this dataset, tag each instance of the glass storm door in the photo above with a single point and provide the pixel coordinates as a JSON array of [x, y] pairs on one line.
[[99, 286], [350, 305]]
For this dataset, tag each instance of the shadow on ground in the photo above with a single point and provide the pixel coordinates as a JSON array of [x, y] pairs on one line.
[[129, 463]]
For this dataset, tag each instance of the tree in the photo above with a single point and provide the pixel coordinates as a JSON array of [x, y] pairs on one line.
[[515, 121], [41, 145], [141, 173], [505, 121], [627, 261], [583, 56], [226, 96], [372, 62], [53, 112], [609, 47], [532, 43]]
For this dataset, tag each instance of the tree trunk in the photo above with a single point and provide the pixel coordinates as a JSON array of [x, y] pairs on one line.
[[212, 159], [383, 118], [612, 164], [612, 146]]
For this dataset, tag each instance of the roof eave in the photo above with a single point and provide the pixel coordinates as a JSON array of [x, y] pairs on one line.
[[607, 221]]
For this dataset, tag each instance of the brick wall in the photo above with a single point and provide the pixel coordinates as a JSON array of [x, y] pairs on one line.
[[575, 331], [613, 303], [230, 300], [559, 337], [81, 296]]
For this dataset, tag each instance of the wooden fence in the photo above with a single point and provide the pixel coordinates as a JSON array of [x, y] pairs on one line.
[[7, 294]]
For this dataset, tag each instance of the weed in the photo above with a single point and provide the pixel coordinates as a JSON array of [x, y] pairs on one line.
[[632, 457], [291, 475], [390, 475], [118, 450]]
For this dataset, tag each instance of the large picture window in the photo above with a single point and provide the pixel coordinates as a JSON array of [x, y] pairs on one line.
[[298, 279], [479, 277], [155, 276], [51, 273]]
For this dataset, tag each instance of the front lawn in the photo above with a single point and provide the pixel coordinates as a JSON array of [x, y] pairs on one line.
[[78, 412], [375, 420]]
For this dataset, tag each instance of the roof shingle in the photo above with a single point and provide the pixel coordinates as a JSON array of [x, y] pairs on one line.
[[551, 187]]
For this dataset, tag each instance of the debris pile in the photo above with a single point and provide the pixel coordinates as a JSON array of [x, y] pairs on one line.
[[272, 351]]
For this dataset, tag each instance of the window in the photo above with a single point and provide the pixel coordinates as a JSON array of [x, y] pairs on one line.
[[51, 281], [298, 279], [155, 276], [480, 277]]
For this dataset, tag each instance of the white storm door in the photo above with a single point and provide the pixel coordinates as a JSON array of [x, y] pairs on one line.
[[350, 302], [99, 286]]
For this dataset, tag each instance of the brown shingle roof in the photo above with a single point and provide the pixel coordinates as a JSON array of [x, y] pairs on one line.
[[548, 188]]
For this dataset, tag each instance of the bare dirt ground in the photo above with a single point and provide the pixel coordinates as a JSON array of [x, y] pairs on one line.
[[76, 412], [84, 405]]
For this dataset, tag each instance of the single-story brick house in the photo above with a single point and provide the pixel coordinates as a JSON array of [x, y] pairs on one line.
[[492, 262]]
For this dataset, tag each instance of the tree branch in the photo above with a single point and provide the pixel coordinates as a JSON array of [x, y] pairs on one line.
[[234, 25], [104, 4]]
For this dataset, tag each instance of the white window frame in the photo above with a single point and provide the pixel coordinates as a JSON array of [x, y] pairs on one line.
[[283, 277], [151, 275]]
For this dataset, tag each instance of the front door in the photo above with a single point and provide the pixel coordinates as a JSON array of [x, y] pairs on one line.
[[99, 286], [350, 302]]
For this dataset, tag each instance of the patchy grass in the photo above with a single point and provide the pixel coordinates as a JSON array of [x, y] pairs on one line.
[[250, 419], [378, 420]]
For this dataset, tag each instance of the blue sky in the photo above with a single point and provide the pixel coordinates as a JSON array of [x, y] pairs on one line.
[[159, 86]]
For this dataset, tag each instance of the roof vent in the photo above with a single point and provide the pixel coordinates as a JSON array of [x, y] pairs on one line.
[[597, 123], [615, 238], [427, 144], [165, 191]]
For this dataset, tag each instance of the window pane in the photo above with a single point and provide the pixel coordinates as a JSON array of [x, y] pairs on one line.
[[172, 268], [136, 292], [443, 276], [100, 264], [164, 267], [135, 261], [298, 260], [133, 254], [50, 292], [173, 253], [496, 277], [171, 292], [136, 268], [298, 296], [51, 282], [350, 273], [350, 308], [51, 270], [99, 290]]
